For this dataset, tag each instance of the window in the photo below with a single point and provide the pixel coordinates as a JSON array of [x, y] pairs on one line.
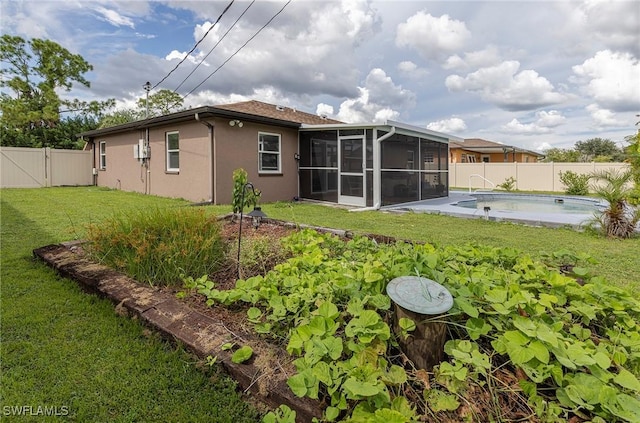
[[173, 151], [268, 152], [485, 158], [103, 155]]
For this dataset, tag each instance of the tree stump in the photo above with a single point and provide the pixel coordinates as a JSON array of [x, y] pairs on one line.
[[421, 300], [425, 345]]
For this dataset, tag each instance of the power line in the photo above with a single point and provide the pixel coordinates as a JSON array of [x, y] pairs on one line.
[[237, 51], [213, 48], [196, 45]]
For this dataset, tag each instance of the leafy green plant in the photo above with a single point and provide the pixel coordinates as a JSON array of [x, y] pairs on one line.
[[509, 184], [242, 354], [240, 192], [511, 316], [158, 246], [576, 183], [620, 218]]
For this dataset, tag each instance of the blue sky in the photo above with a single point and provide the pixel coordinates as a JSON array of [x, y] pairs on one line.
[[534, 74]]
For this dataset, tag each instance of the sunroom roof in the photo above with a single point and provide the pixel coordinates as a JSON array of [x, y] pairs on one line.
[[401, 128]]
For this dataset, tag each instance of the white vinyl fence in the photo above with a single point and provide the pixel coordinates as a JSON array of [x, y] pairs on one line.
[[44, 167], [528, 176]]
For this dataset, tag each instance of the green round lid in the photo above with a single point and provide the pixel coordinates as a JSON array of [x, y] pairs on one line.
[[420, 295]]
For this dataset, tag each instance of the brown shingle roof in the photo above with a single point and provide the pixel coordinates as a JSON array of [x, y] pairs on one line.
[[476, 142], [273, 111]]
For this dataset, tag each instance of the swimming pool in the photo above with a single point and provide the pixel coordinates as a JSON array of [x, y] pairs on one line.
[[528, 209], [531, 203]]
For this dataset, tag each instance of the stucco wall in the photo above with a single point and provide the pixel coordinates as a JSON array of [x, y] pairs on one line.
[[233, 147], [238, 147]]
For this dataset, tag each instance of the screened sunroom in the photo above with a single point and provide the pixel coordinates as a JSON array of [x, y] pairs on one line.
[[373, 165]]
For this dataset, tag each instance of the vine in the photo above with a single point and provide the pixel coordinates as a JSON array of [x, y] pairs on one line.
[[571, 346]]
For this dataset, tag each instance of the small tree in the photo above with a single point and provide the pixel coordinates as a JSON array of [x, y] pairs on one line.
[[576, 183], [240, 180], [619, 220]]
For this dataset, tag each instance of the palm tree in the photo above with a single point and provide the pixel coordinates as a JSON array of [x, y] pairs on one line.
[[619, 220]]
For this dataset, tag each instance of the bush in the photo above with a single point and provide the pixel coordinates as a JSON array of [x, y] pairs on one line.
[[509, 184], [240, 192], [576, 184], [159, 246]]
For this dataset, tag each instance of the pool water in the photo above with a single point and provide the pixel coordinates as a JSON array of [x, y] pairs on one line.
[[537, 204]]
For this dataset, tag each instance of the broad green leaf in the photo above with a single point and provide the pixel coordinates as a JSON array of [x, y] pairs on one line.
[[298, 385], [466, 307], [626, 379], [331, 413], [496, 295], [407, 324], [386, 415], [242, 354], [544, 333], [519, 354], [356, 389], [526, 326], [441, 401], [254, 314], [602, 360], [540, 351], [318, 326], [395, 376], [477, 327], [328, 310], [333, 346], [516, 337], [322, 371]]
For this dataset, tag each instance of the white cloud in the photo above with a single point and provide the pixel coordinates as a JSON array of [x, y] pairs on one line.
[[488, 56], [612, 79], [324, 109], [603, 117], [113, 17], [378, 101], [543, 124], [410, 70], [506, 87], [432, 36], [452, 125]]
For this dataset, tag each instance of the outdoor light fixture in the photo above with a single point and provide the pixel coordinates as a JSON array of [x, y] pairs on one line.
[[487, 209], [256, 215], [236, 122]]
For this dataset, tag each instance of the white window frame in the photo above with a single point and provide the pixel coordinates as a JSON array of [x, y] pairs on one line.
[[277, 153], [169, 152], [102, 152]]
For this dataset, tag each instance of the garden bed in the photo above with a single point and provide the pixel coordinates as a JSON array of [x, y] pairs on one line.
[[472, 384]]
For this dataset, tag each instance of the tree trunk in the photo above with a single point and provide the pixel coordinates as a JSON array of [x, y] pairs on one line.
[[425, 345]]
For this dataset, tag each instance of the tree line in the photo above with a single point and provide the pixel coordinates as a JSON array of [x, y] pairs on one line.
[[34, 114]]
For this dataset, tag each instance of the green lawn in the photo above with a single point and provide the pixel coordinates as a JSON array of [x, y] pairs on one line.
[[62, 347]]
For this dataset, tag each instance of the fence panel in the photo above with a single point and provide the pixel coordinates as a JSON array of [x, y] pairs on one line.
[[70, 167], [22, 167], [528, 176], [44, 167]]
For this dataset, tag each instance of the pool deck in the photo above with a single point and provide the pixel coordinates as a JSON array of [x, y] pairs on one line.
[[445, 206]]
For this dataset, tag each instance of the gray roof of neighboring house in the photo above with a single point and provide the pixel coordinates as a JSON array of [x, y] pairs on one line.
[[479, 145], [255, 111]]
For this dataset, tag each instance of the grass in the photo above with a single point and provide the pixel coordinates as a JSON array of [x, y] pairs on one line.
[[63, 348]]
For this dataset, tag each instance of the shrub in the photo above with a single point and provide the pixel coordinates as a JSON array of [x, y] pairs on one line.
[[509, 184], [576, 184], [159, 246], [620, 218]]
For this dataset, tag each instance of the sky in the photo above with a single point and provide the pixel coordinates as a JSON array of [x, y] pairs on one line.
[[536, 75]]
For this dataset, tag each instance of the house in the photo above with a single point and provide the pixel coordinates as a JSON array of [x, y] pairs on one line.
[[287, 153], [476, 150]]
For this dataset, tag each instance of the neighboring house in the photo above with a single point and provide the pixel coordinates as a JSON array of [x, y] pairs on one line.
[[476, 150], [287, 153]]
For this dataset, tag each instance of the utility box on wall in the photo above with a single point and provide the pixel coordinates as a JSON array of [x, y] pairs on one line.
[[141, 150]]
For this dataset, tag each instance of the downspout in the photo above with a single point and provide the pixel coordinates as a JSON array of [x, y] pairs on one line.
[[376, 168], [212, 151], [94, 169]]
